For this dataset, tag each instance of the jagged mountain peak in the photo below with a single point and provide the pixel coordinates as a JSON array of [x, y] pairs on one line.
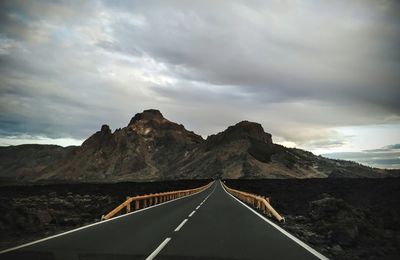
[[250, 129], [239, 131], [99, 139], [151, 123], [105, 129], [148, 115]]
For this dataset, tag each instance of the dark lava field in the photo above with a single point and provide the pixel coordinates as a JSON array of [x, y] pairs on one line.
[[341, 218]]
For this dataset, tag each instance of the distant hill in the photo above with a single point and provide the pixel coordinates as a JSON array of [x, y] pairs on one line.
[[27, 161], [151, 147]]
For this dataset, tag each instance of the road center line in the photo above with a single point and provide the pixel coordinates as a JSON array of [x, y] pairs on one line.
[[197, 207], [191, 214], [158, 249], [181, 225]]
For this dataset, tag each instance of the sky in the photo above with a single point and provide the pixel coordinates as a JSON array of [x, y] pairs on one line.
[[318, 75]]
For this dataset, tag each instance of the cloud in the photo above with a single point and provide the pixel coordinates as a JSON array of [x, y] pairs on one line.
[[303, 69], [386, 157], [388, 148], [278, 51]]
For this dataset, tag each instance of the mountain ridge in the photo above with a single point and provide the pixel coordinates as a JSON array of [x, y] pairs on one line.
[[153, 148]]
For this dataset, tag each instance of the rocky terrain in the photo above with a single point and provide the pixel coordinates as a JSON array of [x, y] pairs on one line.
[[152, 148], [341, 218], [31, 212]]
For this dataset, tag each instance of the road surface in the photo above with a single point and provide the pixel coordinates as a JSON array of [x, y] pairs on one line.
[[209, 225]]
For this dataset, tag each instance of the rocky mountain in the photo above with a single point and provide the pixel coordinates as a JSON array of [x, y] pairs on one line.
[[145, 149], [151, 147]]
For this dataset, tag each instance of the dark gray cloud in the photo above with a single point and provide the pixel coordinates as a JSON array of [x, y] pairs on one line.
[[303, 69], [346, 53]]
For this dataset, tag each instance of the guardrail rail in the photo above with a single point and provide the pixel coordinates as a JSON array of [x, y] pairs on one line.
[[258, 202], [147, 200]]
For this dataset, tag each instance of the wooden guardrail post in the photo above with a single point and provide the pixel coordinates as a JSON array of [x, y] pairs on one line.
[[128, 206]]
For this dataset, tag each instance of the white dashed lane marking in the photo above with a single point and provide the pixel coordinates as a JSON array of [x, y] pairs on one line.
[[165, 242], [158, 249], [180, 225]]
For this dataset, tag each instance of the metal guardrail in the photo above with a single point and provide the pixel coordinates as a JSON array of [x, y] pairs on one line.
[[144, 201], [259, 202]]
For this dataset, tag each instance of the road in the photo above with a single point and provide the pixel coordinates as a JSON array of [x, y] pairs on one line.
[[209, 225]]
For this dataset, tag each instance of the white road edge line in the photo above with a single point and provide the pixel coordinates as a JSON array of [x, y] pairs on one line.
[[295, 239], [94, 224], [180, 225], [158, 249], [191, 214]]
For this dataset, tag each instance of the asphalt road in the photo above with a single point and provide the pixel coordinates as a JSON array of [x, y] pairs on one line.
[[208, 225]]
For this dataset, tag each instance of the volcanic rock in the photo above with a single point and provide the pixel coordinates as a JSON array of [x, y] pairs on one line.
[[148, 115]]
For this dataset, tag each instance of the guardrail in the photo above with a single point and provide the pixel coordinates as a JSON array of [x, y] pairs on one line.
[[144, 201], [259, 202]]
